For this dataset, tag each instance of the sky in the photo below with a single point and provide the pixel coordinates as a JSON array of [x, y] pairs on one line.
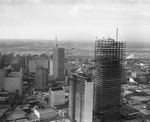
[[75, 19]]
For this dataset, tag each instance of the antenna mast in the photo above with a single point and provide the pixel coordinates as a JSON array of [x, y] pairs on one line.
[[117, 34], [56, 45]]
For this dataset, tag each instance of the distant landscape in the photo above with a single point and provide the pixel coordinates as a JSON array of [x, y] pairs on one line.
[[45, 46]]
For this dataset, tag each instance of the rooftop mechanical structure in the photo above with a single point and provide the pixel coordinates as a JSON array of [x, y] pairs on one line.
[[108, 75]]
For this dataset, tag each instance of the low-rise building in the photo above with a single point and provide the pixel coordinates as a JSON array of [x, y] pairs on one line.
[[140, 99], [33, 118], [129, 112], [18, 115], [63, 112], [3, 97], [134, 74], [2, 76], [45, 113], [56, 96], [63, 120]]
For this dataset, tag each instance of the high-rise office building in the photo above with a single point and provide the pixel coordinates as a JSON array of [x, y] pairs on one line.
[[51, 66], [41, 77], [81, 98], [0, 60], [2, 76], [58, 62], [109, 69]]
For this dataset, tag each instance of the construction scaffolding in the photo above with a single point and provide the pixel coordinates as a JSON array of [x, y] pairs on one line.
[[108, 75]]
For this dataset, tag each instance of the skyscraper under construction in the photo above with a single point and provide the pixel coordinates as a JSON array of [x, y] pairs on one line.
[[109, 66]]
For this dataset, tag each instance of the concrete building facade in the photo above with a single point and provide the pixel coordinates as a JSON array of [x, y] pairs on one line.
[[51, 67], [81, 98], [57, 96]]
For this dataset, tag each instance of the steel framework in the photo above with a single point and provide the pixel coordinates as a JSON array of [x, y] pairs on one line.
[[108, 75]]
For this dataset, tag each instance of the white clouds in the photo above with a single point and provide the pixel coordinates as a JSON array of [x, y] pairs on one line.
[[124, 6], [34, 1], [76, 9], [78, 17], [84, 5]]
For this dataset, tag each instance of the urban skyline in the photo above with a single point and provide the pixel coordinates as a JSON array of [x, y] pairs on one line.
[[97, 70], [93, 84]]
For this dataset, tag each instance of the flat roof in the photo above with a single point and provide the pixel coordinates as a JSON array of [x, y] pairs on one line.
[[145, 111], [33, 117], [42, 58], [45, 110], [138, 107], [140, 98], [4, 95], [2, 111], [15, 74], [17, 114], [64, 110], [56, 88], [22, 120], [128, 92]]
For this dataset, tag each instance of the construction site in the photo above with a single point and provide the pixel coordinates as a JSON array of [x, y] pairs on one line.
[[108, 75]]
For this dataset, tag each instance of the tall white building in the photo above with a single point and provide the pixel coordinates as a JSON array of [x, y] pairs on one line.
[[51, 67], [81, 98]]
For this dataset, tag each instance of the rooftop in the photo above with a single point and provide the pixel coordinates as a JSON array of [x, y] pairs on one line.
[[45, 110], [2, 111], [17, 114], [140, 98], [4, 94], [15, 74], [84, 76], [33, 117], [56, 88]]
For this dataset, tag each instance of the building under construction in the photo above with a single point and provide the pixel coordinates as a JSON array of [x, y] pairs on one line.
[[109, 68]]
